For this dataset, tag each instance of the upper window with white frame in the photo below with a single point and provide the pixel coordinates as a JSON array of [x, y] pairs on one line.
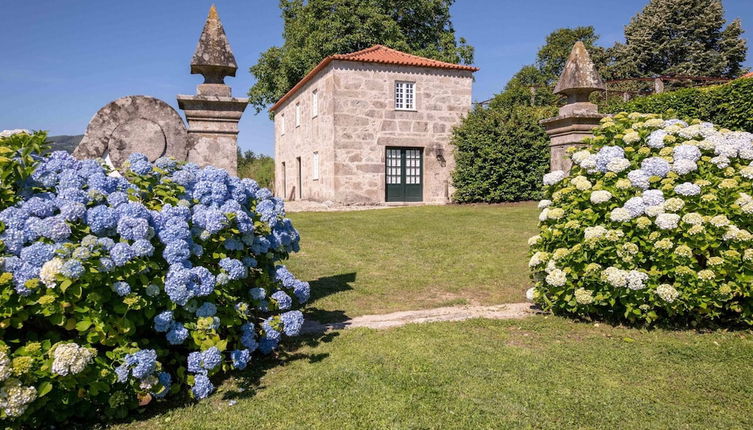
[[314, 103], [297, 114], [282, 123], [405, 95]]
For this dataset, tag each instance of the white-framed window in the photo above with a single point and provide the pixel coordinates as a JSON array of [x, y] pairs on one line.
[[314, 103], [282, 123], [298, 114], [315, 166], [405, 95]]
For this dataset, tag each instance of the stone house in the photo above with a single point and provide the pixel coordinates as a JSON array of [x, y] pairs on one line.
[[371, 126]]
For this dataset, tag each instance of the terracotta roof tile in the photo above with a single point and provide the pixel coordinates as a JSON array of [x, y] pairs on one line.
[[376, 54]]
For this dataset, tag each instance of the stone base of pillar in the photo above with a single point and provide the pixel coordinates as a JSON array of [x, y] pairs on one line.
[[213, 129], [566, 131]]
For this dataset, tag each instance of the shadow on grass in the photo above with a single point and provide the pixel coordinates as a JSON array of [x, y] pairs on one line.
[[324, 287]]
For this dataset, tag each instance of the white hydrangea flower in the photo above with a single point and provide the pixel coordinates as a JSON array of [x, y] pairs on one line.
[[656, 139], [683, 167], [544, 215], [583, 296], [530, 293], [554, 177], [9, 133], [556, 278], [594, 233], [688, 189], [636, 279], [15, 398], [747, 172], [719, 221], [581, 183], [580, 156], [545, 204], [70, 358], [721, 162], [653, 197], [654, 123], [667, 293], [631, 137], [654, 211], [533, 240], [49, 272], [667, 221], [607, 154], [639, 179], [538, 258], [745, 201], [746, 152], [618, 165], [615, 277], [600, 196], [619, 215], [589, 163], [673, 205], [635, 206], [655, 166], [554, 213], [686, 152], [725, 150], [5, 366], [692, 218]]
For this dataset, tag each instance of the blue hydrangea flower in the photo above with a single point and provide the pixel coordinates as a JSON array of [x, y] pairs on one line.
[[73, 211], [163, 321], [133, 228], [177, 334], [106, 264], [202, 387], [140, 364], [302, 291], [269, 331], [248, 337], [72, 269], [121, 288], [165, 380], [292, 322], [39, 207], [142, 248], [233, 244], [283, 300], [240, 358], [267, 345], [234, 268], [257, 293], [203, 280], [101, 219], [38, 253], [141, 167], [249, 261], [655, 166], [208, 309], [176, 252], [117, 198], [607, 154], [201, 362], [121, 254]]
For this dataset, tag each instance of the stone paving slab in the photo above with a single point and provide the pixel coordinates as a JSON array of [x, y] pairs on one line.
[[452, 313]]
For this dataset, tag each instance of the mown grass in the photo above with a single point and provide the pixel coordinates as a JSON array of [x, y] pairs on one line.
[[379, 261], [540, 372]]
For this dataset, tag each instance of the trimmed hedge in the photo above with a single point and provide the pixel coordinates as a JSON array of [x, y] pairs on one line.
[[501, 154], [729, 105]]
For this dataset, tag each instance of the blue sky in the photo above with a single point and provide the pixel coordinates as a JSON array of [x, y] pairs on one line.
[[63, 60]]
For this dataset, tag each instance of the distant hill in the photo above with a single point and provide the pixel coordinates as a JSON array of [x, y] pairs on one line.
[[65, 143]]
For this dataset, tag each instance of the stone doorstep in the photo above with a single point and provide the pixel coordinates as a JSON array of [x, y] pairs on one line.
[[451, 313]]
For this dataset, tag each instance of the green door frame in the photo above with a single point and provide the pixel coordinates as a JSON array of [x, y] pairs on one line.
[[404, 174]]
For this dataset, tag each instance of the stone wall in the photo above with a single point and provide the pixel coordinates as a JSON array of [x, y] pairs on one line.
[[357, 121]]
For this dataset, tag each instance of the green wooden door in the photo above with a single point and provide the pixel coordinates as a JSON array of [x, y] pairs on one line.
[[404, 175]]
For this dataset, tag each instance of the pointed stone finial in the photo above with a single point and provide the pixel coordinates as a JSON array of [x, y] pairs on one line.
[[579, 78], [213, 57]]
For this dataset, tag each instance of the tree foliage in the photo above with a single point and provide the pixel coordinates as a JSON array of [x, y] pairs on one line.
[[258, 167], [315, 29], [501, 154], [679, 37]]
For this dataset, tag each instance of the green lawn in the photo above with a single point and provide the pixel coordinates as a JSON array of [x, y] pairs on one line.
[[539, 372], [542, 372], [379, 261]]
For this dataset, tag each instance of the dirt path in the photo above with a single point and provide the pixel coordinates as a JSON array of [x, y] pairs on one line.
[[454, 313]]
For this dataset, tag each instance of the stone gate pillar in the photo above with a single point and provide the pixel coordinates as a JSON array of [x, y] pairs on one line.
[[578, 117], [213, 113]]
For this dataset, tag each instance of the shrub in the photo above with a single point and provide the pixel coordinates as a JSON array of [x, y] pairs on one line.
[[500, 154], [729, 105], [118, 290], [652, 224], [260, 167]]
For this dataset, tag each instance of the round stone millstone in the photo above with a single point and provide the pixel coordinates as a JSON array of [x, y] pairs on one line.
[[135, 124]]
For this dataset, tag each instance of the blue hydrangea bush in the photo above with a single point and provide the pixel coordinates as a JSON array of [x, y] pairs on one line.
[[652, 224], [118, 291]]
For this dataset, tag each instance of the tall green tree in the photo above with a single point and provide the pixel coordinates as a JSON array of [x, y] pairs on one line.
[[680, 37], [532, 85], [314, 29]]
